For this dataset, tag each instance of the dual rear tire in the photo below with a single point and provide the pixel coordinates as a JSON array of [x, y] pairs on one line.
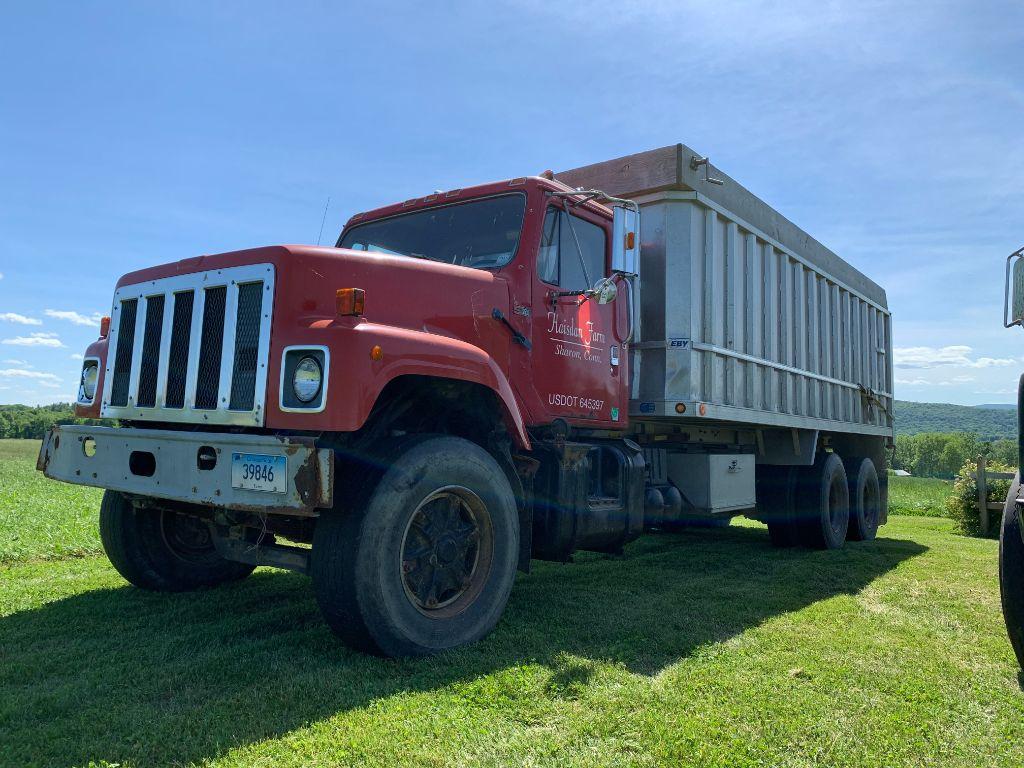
[[822, 505]]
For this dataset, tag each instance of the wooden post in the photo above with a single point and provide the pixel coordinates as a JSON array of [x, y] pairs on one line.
[[982, 496]]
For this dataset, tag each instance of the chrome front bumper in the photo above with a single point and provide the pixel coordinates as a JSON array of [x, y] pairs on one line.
[[175, 466]]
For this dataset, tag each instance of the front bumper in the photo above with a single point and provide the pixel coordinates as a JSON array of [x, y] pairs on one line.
[[176, 472]]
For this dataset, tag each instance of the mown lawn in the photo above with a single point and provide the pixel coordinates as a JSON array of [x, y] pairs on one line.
[[705, 648]]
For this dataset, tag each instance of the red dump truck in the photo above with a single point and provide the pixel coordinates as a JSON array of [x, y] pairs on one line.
[[479, 377]]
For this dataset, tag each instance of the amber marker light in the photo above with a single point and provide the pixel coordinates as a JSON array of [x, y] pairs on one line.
[[104, 327], [376, 353], [630, 240], [351, 301]]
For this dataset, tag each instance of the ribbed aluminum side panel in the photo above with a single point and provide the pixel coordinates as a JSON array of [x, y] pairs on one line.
[[192, 348], [743, 325]]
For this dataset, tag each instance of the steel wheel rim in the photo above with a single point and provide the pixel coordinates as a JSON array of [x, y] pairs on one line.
[[188, 538], [446, 552]]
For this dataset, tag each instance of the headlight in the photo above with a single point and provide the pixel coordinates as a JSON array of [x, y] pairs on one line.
[[87, 387], [307, 379]]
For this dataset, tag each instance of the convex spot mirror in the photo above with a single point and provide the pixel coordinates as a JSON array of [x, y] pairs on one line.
[[625, 240], [605, 290]]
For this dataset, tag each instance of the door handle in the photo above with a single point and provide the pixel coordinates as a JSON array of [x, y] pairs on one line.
[[516, 335]]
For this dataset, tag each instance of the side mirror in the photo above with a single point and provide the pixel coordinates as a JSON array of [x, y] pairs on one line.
[[605, 291], [625, 240], [1013, 301]]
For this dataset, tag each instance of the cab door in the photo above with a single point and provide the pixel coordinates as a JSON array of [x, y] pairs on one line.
[[579, 367]]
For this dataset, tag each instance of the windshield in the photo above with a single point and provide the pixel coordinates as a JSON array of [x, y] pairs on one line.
[[480, 233]]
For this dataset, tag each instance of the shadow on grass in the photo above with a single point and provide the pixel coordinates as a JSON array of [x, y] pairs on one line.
[[125, 675]]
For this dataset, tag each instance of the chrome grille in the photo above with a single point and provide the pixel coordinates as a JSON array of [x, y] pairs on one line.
[[177, 362], [191, 348], [123, 357], [150, 351], [211, 348]]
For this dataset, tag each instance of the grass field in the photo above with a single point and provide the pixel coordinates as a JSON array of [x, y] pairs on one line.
[[705, 648], [918, 496]]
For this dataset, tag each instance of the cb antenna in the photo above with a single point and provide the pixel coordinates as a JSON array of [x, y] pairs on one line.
[[323, 220]]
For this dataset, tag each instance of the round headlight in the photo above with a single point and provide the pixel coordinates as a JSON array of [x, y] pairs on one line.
[[307, 379], [90, 374]]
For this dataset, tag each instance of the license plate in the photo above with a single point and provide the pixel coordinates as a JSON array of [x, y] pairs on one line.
[[259, 472]]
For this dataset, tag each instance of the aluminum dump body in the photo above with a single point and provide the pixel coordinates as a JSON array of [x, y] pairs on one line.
[[744, 317]]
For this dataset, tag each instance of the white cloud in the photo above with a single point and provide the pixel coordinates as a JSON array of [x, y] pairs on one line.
[[922, 383], [35, 340], [38, 376], [14, 317], [1007, 391], [77, 356], [1, 275], [938, 357], [15, 361], [74, 317]]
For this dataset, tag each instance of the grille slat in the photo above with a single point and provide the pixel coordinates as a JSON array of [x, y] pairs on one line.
[[210, 348], [192, 348], [247, 338], [177, 361], [150, 352], [123, 357]]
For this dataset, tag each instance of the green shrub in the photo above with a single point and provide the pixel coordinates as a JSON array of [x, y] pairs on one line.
[[962, 504]]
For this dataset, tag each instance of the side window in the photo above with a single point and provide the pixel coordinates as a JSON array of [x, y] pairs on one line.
[[559, 262]]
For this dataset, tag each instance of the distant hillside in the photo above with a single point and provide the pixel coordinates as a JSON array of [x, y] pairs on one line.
[[988, 422], [998, 406]]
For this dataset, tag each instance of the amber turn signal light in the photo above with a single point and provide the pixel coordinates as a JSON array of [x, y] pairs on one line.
[[630, 241], [104, 327], [351, 301]]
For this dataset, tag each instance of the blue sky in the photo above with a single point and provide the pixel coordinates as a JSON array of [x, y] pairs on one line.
[[147, 132]]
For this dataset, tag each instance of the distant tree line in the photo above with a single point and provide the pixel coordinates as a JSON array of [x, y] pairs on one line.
[[942, 454], [987, 423], [25, 421]]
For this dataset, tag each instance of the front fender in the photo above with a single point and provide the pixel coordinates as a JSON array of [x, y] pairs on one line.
[[357, 379], [97, 349]]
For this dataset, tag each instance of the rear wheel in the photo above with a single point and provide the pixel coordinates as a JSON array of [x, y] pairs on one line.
[[865, 499], [775, 495], [162, 550], [823, 503], [425, 558], [1011, 571]]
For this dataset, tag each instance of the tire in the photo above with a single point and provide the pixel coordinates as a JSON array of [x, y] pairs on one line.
[[162, 550], [425, 558], [823, 503], [775, 496], [1011, 571], [865, 499]]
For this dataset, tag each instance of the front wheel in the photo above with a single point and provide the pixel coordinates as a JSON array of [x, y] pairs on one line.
[[425, 559], [1011, 571], [162, 550]]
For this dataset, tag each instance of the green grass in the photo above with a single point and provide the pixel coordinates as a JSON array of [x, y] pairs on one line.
[[40, 519], [918, 496], [708, 648]]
